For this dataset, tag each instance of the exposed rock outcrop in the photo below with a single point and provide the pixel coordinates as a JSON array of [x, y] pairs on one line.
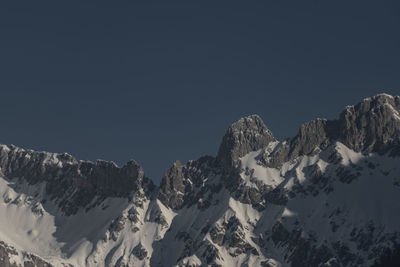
[[72, 183], [140, 252], [372, 125], [246, 135], [7, 252], [186, 184], [172, 187]]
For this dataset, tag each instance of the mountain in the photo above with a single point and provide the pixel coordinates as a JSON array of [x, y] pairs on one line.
[[329, 196]]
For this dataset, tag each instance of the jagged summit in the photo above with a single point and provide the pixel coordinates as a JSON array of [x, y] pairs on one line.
[[246, 135], [371, 125]]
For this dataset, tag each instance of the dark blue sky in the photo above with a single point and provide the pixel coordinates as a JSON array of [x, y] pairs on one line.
[[158, 81]]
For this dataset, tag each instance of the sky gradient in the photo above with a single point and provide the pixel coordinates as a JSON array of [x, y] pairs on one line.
[[159, 81]]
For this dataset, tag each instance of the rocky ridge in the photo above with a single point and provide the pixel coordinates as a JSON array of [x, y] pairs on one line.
[[259, 202], [72, 183]]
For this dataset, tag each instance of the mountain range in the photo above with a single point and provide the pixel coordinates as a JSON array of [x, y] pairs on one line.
[[329, 196]]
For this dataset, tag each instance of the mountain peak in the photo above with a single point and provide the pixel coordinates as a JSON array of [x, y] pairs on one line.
[[371, 125], [380, 97], [248, 121], [243, 136]]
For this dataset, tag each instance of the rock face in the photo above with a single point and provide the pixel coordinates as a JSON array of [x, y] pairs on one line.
[[246, 135], [372, 125], [72, 183], [140, 252], [313, 135], [172, 188], [185, 184], [325, 197]]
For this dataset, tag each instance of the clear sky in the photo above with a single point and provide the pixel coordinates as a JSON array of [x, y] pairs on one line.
[[159, 81]]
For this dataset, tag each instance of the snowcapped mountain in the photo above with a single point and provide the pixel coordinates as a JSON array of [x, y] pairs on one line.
[[330, 196]]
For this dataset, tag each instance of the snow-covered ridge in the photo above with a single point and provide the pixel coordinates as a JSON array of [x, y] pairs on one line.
[[322, 198]]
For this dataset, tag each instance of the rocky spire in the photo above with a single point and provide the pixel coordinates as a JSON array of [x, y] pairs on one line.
[[246, 135], [172, 188]]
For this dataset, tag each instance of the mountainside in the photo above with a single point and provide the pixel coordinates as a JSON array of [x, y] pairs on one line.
[[329, 196]]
